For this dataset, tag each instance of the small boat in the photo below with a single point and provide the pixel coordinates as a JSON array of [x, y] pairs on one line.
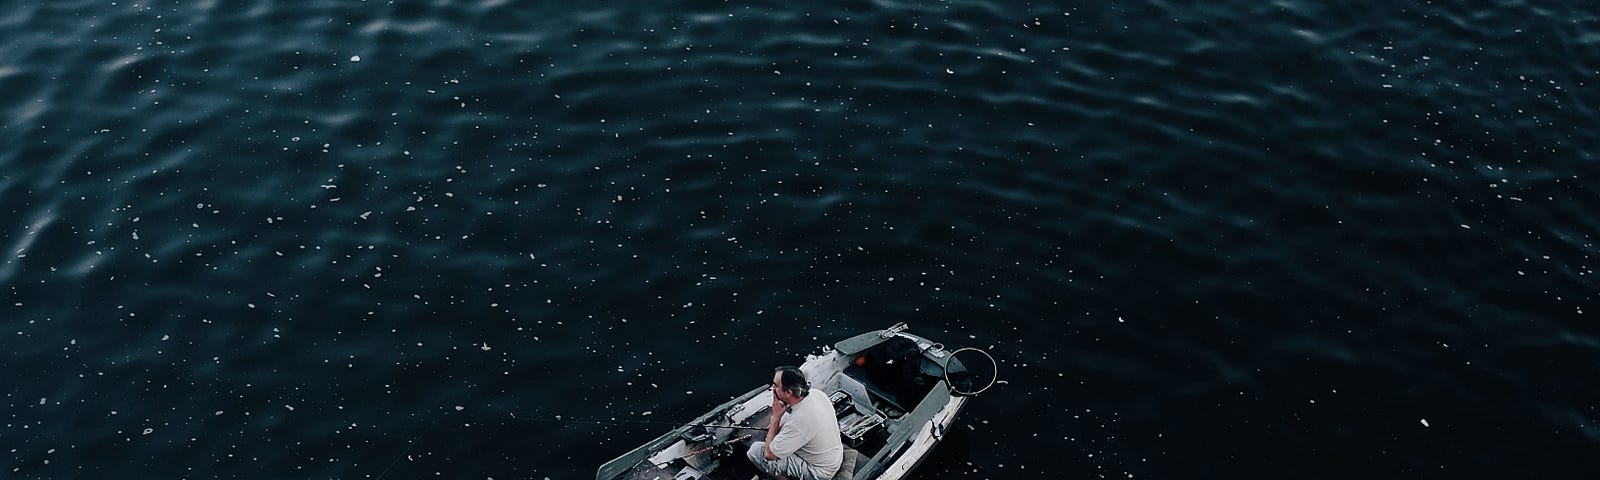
[[895, 395]]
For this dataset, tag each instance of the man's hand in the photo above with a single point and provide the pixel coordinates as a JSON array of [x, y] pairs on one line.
[[778, 407]]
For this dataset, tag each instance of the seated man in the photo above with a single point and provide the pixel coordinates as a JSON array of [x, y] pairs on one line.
[[803, 438]]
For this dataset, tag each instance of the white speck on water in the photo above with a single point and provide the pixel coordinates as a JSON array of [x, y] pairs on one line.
[[949, 71], [1424, 422], [41, 400], [460, 408], [290, 407], [148, 430], [365, 214], [219, 412], [166, 337], [251, 305], [485, 346], [646, 413], [1120, 320], [1465, 226], [355, 58]]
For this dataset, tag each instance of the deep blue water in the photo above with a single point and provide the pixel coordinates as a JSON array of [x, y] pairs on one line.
[[1235, 239]]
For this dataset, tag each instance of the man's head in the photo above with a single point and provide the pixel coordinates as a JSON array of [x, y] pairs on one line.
[[789, 384]]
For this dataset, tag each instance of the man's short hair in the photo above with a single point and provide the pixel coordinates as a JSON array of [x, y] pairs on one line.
[[792, 380]]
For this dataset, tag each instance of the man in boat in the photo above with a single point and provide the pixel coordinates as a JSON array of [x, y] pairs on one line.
[[803, 438]]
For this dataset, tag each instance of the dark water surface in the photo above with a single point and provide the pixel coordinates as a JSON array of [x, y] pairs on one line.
[[1236, 240]]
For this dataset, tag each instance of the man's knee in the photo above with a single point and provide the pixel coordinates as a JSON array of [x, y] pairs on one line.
[[757, 452]]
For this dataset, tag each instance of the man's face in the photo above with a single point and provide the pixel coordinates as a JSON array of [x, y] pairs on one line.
[[777, 387]]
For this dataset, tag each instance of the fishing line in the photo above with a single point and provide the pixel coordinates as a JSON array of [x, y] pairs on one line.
[[413, 444]]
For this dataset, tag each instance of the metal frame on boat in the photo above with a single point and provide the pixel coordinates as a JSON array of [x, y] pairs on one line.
[[891, 391]]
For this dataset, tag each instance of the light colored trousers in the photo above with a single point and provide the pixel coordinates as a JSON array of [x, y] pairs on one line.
[[791, 466]]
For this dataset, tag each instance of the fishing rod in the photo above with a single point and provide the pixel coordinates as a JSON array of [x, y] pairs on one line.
[[560, 419], [608, 421], [718, 445]]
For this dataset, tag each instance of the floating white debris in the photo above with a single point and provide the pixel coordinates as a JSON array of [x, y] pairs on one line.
[[365, 214], [485, 346], [646, 413], [41, 400], [355, 58], [949, 71], [290, 407], [147, 430], [1465, 226], [460, 408], [219, 412], [1424, 422]]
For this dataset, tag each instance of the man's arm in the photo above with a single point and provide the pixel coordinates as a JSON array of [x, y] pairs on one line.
[[778, 409]]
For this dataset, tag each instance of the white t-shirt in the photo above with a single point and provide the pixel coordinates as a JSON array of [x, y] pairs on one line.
[[811, 432]]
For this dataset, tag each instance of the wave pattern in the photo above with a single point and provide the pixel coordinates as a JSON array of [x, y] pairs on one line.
[[268, 240]]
